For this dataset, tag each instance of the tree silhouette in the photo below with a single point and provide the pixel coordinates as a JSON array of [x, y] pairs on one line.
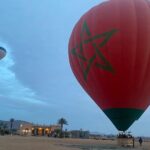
[[11, 124], [62, 122]]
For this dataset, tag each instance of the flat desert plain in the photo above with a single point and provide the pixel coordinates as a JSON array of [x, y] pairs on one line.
[[46, 143]]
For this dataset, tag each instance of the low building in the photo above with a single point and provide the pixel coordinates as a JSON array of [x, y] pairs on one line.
[[37, 130], [25, 129], [79, 134]]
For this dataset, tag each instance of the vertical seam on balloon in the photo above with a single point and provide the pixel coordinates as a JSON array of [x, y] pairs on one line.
[[132, 78], [94, 77], [148, 57], [120, 86], [143, 73], [91, 60], [71, 60], [135, 55], [147, 42], [86, 71], [79, 62]]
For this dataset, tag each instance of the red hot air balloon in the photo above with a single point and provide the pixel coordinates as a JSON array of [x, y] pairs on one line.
[[109, 53], [2, 52]]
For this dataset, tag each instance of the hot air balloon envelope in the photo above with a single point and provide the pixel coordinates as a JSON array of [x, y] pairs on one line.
[[2, 52], [109, 53]]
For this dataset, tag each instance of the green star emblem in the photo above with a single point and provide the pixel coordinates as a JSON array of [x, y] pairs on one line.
[[106, 65]]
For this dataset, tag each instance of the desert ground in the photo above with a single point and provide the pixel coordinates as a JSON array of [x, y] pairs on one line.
[[46, 143]]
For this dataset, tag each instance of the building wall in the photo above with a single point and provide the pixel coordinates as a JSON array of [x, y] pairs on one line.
[[37, 130], [79, 134], [25, 129]]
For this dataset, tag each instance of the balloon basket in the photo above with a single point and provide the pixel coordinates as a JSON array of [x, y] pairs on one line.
[[125, 140]]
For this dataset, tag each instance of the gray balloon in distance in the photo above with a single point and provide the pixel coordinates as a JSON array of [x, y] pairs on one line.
[[2, 52]]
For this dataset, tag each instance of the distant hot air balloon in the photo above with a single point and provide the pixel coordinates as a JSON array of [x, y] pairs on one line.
[[2, 52], [109, 53]]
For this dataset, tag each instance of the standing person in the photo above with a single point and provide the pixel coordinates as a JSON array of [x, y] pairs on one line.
[[133, 141], [140, 141]]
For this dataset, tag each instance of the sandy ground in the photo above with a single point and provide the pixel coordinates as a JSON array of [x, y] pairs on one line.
[[45, 143]]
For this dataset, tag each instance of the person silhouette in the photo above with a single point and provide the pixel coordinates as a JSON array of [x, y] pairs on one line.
[[140, 141]]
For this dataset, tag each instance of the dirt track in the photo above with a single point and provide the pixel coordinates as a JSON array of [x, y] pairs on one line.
[[45, 143]]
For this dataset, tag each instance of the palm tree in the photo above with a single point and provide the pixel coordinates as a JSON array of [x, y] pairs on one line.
[[3, 127], [62, 122], [11, 124]]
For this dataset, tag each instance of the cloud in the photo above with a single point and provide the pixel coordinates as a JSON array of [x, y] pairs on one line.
[[10, 87]]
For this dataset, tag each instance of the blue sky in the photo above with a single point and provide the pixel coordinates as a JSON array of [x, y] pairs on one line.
[[36, 82]]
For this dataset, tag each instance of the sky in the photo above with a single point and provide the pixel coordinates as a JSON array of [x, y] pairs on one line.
[[36, 81]]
